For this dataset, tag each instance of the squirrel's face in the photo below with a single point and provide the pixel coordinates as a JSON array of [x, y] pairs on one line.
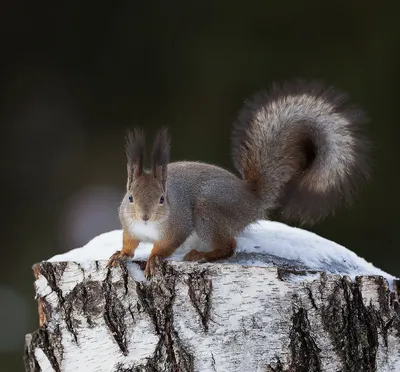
[[146, 199]]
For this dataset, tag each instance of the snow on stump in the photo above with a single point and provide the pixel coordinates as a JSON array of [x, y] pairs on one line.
[[247, 314]]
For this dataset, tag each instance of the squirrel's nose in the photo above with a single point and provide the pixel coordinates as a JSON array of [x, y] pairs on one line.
[[145, 217]]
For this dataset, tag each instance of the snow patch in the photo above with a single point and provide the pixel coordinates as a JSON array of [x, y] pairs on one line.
[[136, 272], [43, 361], [265, 243]]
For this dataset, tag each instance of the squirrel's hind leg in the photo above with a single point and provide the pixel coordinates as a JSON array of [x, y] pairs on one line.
[[222, 248], [217, 227]]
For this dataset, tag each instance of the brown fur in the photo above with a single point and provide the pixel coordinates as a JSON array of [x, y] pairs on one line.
[[160, 156], [135, 148], [303, 144], [161, 249], [129, 246], [221, 250]]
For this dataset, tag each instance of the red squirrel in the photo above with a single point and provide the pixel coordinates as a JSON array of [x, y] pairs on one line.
[[299, 150]]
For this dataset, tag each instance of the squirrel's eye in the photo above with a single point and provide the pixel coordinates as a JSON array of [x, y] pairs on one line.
[[162, 200], [130, 199]]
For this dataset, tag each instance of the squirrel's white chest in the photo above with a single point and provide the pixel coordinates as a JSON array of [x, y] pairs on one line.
[[145, 231]]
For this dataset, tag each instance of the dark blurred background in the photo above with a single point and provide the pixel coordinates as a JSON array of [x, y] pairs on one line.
[[75, 76]]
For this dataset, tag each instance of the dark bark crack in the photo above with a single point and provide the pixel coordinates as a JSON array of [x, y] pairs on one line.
[[157, 300], [114, 314], [48, 342], [84, 299], [311, 298], [352, 327], [125, 276], [305, 354], [213, 363], [275, 366], [53, 273], [285, 273], [200, 289]]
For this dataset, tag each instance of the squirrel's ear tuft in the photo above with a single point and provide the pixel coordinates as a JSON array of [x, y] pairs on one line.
[[160, 155], [134, 148]]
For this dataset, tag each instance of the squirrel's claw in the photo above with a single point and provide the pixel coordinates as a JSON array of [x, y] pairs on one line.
[[117, 257], [151, 265]]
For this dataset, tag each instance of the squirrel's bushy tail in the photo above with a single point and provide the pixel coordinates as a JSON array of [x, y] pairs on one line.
[[301, 144]]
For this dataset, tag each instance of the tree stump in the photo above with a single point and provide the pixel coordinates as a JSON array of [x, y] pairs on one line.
[[211, 317]]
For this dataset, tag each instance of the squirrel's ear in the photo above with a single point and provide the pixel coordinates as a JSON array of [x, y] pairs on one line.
[[134, 148], [160, 156]]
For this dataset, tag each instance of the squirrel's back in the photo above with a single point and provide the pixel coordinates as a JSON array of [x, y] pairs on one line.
[[301, 144]]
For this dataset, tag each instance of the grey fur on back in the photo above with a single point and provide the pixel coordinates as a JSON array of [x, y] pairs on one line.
[[210, 200], [301, 145]]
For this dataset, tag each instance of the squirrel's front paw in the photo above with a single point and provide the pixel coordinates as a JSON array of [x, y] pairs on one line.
[[151, 265], [194, 255], [116, 258]]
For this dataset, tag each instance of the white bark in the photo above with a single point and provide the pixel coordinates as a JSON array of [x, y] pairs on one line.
[[211, 317]]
